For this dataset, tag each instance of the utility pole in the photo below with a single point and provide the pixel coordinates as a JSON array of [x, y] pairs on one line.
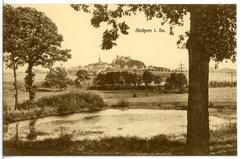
[[181, 67]]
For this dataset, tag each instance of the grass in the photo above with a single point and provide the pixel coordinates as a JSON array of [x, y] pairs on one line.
[[222, 142], [104, 146], [216, 95], [222, 100]]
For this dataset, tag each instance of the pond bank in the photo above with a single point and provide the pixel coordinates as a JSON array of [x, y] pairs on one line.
[[219, 109], [222, 142]]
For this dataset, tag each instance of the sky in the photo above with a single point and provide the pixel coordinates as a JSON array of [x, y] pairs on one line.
[[158, 49]]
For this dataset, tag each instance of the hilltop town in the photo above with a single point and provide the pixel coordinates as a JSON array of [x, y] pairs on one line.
[[121, 63]]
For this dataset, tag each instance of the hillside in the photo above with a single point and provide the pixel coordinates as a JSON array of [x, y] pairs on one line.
[[127, 63]]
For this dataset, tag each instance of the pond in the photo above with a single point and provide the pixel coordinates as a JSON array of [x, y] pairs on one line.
[[107, 123]]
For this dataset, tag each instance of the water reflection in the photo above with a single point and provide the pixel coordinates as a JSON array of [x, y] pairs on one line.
[[108, 123], [32, 131], [16, 134]]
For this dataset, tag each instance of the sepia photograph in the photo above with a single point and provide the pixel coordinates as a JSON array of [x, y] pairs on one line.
[[119, 79]]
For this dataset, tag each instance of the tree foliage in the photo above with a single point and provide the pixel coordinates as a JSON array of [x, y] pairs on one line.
[[212, 35], [82, 75], [148, 77], [57, 78], [157, 79], [215, 33], [176, 81], [13, 56], [36, 39], [117, 78]]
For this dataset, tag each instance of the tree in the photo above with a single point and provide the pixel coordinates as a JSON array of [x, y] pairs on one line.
[[212, 35], [100, 79], [11, 43], [57, 78], [157, 79], [40, 43], [176, 81], [82, 75], [130, 78], [116, 78], [148, 77]]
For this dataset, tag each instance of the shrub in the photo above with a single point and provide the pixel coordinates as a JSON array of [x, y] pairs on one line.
[[69, 101], [176, 81], [54, 105], [122, 104], [134, 95]]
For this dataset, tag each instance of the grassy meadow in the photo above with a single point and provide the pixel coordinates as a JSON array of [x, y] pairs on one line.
[[222, 103]]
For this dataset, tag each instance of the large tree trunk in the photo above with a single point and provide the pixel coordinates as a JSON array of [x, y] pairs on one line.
[[197, 113], [29, 79], [15, 87]]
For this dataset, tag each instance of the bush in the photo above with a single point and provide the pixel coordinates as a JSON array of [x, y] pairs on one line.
[[122, 104], [134, 95], [70, 102], [176, 81], [55, 105]]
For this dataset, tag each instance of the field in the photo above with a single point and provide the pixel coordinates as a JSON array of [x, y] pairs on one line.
[[219, 99], [222, 103], [8, 76]]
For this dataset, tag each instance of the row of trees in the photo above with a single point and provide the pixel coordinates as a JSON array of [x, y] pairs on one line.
[[175, 81], [116, 78], [126, 78], [57, 78], [30, 38], [214, 84]]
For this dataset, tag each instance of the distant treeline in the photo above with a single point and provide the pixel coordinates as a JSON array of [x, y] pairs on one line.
[[117, 78], [123, 87], [57, 79], [214, 84], [126, 79], [146, 81]]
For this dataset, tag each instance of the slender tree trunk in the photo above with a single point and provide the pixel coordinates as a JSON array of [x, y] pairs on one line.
[[197, 112], [29, 79], [15, 86], [16, 135]]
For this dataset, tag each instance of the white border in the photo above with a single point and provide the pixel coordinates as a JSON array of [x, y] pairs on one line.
[[121, 2]]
